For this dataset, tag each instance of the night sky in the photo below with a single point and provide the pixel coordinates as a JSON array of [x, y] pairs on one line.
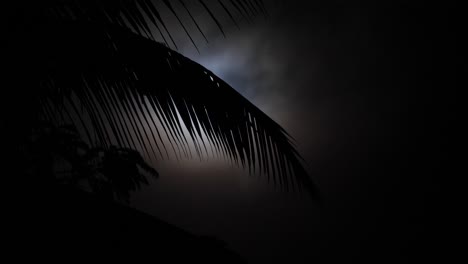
[[337, 77]]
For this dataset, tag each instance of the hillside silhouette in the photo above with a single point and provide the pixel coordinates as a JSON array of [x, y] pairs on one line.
[[70, 223]]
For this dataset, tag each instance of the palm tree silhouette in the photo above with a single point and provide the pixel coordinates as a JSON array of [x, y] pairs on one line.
[[94, 68]]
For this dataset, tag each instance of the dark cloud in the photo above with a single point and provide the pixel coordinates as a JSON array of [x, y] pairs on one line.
[[334, 75]]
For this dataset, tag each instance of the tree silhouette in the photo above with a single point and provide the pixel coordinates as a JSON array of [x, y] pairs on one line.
[[110, 173], [93, 71]]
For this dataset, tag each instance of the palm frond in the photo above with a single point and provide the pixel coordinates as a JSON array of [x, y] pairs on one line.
[[136, 93]]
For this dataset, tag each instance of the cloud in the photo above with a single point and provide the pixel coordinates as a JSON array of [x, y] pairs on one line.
[[326, 74]]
